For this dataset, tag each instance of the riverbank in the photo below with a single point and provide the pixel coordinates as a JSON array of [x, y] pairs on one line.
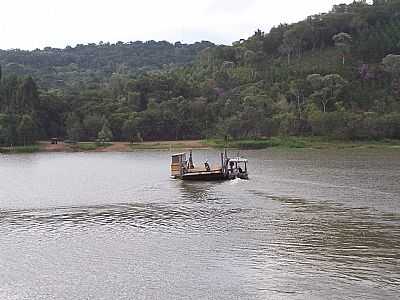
[[45, 146], [275, 142], [302, 143]]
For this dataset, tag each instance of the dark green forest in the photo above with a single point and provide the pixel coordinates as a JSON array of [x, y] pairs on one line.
[[334, 74]]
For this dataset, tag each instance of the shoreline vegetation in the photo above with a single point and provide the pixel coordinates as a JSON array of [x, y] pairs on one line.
[[320, 143]]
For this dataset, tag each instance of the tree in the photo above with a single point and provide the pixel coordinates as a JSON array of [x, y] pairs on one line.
[[249, 57], [291, 42], [7, 129], [133, 101], [74, 127], [27, 129], [28, 96], [391, 64], [105, 134], [326, 88], [343, 42], [93, 124], [296, 89], [130, 128]]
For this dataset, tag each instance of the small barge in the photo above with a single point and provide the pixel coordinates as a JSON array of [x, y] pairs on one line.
[[230, 168]]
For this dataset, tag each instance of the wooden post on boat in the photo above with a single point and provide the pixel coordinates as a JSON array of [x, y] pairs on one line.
[[181, 165], [191, 165], [222, 164]]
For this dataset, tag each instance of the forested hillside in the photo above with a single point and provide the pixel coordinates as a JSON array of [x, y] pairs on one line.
[[335, 74], [71, 67]]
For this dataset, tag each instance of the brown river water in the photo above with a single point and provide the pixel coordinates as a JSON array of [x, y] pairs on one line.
[[309, 224]]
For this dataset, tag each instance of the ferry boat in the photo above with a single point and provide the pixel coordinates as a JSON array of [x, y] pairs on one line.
[[229, 169]]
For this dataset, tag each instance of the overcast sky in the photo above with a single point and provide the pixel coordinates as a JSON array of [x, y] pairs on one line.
[[30, 24]]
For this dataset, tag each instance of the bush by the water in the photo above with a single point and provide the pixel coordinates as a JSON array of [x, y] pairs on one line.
[[20, 149]]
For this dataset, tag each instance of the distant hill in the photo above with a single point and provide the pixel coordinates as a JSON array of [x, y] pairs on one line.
[[93, 63]]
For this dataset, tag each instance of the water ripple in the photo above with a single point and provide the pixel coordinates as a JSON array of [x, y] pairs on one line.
[[143, 216]]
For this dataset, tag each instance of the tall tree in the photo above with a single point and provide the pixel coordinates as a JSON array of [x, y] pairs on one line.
[[296, 89], [343, 42], [74, 127], [391, 64], [130, 128], [93, 124], [326, 88], [27, 130], [105, 134]]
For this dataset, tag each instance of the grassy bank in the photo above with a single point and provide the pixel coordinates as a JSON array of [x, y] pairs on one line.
[[151, 146], [275, 142], [90, 146], [302, 142], [168, 145], [20, 149]]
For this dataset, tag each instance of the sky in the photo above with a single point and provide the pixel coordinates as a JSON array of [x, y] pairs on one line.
[[28, 24]]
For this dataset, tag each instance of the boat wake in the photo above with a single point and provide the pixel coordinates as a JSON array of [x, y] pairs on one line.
[[236, 181]]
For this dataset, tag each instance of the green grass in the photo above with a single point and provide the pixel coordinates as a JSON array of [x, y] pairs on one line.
[[149, 146], [259, 144], [20, 149], [162, 146], [90, 146], [303, 142]]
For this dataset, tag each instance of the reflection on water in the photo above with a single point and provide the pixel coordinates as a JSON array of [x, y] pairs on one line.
[[320, 226]]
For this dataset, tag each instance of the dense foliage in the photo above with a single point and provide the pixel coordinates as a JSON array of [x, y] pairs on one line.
[[335, 74], [83, 65]]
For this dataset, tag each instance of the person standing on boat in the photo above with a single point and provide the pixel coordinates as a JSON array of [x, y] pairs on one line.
[[231, 164], [190, 163]]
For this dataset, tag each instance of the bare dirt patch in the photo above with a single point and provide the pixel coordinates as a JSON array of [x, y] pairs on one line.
[[49, 147], [127, 147]]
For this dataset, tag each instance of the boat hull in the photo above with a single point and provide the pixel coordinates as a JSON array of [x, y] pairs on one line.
[[211, 177], [204, 177], [243, 176]]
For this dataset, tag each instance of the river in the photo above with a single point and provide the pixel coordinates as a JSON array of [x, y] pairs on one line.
[[309, 224]]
